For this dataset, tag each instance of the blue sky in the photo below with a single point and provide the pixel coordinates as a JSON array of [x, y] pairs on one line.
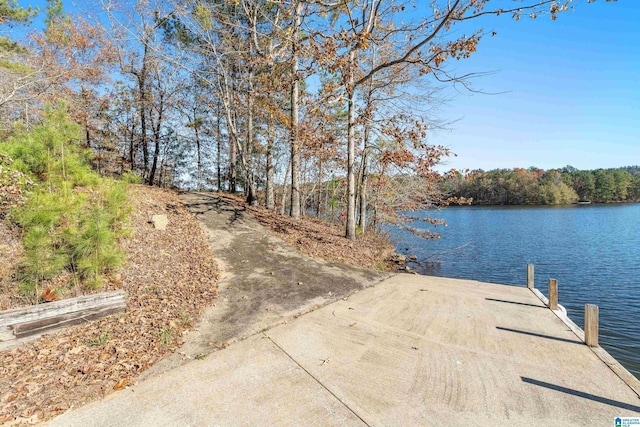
[[572, 93], [569, 92]]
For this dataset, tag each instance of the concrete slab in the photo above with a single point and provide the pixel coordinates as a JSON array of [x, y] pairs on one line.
[[434, 351], [411, 351], [251, 383]]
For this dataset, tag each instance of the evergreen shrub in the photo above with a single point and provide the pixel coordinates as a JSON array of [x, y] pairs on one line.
[[72, 217]]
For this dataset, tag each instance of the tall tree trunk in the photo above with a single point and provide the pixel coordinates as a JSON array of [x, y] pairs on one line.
[[143, 135], [363, 180], [87, 133], [232, 121], [364, 171], [233, 159], [85, 104], [132, 147], [198, 152], [142, 87], [156, 136], [351, 154], [154, 164], [270, 194], [219, 147], [283, 205], [319, 192], [252, 198], [295, 143]]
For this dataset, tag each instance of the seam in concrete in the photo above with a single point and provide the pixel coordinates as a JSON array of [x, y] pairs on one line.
[[294, 315], [318, 381], [629, 379]]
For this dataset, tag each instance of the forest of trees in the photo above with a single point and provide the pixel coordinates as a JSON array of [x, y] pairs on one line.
[[304, 106], [535, 186]]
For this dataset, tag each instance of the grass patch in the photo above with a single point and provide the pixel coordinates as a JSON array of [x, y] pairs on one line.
[[101, 339], [166, 337]]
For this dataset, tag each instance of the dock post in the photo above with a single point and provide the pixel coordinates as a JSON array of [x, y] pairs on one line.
[[553, 294], [591, 325], [530, 282]]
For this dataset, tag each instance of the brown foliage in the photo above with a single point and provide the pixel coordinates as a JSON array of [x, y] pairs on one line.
[[321, 239], [169, 279]]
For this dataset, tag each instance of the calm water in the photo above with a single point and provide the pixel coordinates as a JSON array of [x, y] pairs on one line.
[[593, 251]]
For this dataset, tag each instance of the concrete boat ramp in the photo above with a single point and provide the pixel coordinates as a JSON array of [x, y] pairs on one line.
[[409, 351]]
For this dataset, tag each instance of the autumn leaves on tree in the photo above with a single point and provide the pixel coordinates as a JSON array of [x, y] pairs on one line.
[[311, 107]]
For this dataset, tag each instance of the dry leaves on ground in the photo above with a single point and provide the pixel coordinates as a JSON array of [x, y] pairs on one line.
[[321, 239], [10, 253], [169, 279]]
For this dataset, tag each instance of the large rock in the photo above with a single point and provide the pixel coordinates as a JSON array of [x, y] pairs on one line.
[[159, 222]]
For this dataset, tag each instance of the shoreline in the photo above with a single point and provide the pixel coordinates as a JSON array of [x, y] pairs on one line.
[[612, 202]]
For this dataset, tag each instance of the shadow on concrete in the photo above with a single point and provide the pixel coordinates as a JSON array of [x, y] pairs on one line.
[[582, 394], [515, 302], [533, 334], [218, 205]]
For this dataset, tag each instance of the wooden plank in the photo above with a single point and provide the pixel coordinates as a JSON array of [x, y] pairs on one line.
[[22, 330], [41, 311], [553, 294], [618, 369], [591, 325], [530, 276]]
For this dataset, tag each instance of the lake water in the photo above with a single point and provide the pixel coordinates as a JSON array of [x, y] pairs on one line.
[[593, 251]]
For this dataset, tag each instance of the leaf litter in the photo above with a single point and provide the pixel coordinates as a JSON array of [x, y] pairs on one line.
[[169, 279], [321, 239]]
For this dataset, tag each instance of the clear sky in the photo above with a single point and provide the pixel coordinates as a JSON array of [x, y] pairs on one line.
[[572, 93], [569, 92]]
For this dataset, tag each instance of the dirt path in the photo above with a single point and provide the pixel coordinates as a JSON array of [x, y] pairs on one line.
[[264, 281]]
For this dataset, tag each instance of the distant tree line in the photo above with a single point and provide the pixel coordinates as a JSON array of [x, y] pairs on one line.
[[535, 186]]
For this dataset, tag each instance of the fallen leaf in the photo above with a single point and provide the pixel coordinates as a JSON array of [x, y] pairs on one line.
[[121, 384], [49, 295]]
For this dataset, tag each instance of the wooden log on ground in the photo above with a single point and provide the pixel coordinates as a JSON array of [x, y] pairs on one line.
[[22, 330], [23, 322]]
